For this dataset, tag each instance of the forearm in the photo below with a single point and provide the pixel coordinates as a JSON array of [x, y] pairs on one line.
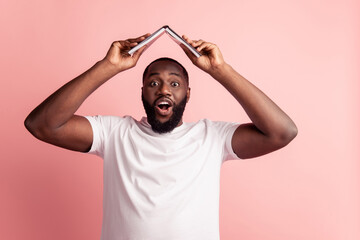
[[59, 107], [263, 112]]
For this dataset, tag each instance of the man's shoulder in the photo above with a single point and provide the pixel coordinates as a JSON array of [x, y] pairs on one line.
[[209, 125], [111, 120], [210, 122]]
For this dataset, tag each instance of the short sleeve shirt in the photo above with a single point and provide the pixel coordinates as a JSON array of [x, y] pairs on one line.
[[161, 186]]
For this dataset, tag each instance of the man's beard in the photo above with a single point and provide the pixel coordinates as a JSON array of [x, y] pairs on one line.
[[168, 126]]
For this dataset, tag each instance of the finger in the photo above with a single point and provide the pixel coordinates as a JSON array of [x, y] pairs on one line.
[[139, 39], [205, 46], [188, 40], [142, 37], [131, 44], [194, 43], [125, 44], [197, 43], [185, 38]]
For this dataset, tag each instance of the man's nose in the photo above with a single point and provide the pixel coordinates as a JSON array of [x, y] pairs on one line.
[[164, 89]]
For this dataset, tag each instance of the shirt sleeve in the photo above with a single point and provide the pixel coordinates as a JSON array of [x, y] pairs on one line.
[[225, 131], [101, 127]]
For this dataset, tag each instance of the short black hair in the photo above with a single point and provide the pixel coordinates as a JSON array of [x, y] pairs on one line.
[[186, 75]]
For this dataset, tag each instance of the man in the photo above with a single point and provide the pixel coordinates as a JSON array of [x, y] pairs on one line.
[[161, 175]]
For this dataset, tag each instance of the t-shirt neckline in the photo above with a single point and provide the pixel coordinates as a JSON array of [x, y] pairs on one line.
[[145, 123]]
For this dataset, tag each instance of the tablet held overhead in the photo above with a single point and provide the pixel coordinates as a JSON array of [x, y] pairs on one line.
[[165, 29]]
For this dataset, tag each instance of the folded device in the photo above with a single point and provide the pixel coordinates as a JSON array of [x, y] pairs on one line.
[[165, 29]]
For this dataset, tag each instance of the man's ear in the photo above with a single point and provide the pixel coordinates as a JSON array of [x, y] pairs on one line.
[[188, 94]]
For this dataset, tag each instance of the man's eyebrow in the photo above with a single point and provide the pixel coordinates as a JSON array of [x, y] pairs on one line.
[[154, 73], [172, 73]]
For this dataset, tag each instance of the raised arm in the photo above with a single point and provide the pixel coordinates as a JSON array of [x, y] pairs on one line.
[[271, 128], [54, 120]]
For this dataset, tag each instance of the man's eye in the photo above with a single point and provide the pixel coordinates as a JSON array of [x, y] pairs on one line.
[[175, 84], [153, 84]]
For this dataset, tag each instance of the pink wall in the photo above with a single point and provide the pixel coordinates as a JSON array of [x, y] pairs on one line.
[[303, 54]]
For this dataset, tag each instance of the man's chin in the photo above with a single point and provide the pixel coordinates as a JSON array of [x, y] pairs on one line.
[[164, 124], [163, 118]]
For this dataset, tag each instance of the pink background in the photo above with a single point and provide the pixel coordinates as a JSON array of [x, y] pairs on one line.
[[303, 54]]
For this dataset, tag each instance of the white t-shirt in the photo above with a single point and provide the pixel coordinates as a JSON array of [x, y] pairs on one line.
[[161, 186]]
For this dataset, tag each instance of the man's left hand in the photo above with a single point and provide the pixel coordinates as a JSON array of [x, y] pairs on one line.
[[211, 59]]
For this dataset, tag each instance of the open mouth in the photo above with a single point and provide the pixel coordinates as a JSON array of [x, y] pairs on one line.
[[163, 106]]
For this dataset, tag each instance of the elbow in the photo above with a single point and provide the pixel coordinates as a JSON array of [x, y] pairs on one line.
[[40, 128], [30, 125], [287, 135], [33, 127]]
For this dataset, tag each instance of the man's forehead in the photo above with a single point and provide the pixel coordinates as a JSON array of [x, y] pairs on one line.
[[165, 65]]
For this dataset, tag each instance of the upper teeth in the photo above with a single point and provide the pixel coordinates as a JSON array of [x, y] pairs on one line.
[[164, 103]]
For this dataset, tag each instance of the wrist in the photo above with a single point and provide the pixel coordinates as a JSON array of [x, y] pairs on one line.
[[219, 71], [109, 67]]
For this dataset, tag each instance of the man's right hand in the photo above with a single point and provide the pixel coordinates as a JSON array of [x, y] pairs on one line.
[[54, 120], [118, 54]]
